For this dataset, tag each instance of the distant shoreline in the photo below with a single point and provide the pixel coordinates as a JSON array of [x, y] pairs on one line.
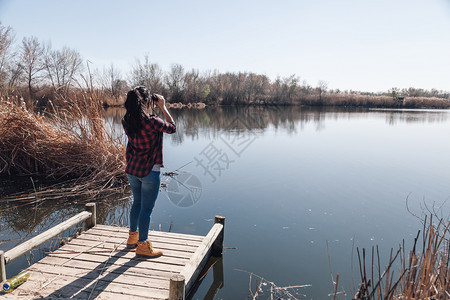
[[329, 100]]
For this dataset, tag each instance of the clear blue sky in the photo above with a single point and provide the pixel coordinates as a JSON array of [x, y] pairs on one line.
[[352, 44]]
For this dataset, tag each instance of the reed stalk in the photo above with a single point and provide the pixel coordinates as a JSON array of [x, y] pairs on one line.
[[421, 275]]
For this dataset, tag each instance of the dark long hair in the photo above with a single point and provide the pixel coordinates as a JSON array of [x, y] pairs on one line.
[[136, 98]]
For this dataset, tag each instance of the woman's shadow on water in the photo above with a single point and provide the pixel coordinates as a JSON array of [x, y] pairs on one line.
[[91, 285]]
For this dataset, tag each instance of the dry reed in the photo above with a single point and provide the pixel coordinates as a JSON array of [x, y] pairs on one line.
[[269, 290], [69, 144], [422, 274], [372, 101]]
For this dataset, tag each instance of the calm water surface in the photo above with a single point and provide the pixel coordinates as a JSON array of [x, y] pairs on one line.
[[289, 180]]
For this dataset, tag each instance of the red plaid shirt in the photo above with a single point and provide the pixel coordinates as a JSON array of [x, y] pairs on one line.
[[146, 148]]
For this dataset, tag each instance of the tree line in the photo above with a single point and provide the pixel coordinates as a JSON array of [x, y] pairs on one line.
[[35, 71]]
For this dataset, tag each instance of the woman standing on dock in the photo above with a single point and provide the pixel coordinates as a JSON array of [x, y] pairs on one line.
[[144, 159]]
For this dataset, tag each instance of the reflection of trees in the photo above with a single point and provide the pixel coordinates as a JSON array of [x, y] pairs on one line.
[[409, 116], [114, 114], [211, 121]]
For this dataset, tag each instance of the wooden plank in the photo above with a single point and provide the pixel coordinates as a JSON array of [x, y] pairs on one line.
[[124, 253], [119, 272], [142, 268], [162, 238], [109, 246], [45, 236], [200, 257], [144, 263], [116, 282], [153, 232], [157, 244], [127, 256], [63, 286], [117, 296], [28, 295], [166, 239], [152, 237]]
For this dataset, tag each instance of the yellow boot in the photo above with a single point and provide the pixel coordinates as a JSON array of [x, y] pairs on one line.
[[145, 249], [132, 239]]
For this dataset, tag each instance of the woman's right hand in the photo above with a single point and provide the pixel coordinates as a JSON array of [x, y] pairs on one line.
[[161, 101], [162, 105]]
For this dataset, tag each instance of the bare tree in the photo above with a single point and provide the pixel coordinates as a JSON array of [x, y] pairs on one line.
[[285, 89], [6, 40], [61, 67], [31, 59], [175, 80], [322, 87], [147, 74], [228, 85], [414, 92], [256, 86], [112, 81], [213, 86], [15, 72], [195, 87], [394, 92]]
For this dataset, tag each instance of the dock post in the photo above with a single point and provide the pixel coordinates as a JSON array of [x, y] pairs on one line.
[[176, 288], [92, 221], [217, 247], [2, 266]]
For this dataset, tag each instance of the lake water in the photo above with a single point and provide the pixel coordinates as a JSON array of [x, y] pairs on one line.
[[289, 180]]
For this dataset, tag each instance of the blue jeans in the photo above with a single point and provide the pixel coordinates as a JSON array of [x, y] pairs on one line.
[[145, 191]]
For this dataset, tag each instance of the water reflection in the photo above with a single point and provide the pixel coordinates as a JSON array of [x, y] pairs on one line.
[[24, 220], [214, 280], [394, 117], [212, 120]]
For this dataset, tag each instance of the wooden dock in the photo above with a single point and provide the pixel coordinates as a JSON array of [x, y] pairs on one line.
[[97, 265]]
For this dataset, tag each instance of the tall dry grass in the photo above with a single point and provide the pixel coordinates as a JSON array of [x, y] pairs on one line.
[[373, 101], [69, 144], [421, 273]]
